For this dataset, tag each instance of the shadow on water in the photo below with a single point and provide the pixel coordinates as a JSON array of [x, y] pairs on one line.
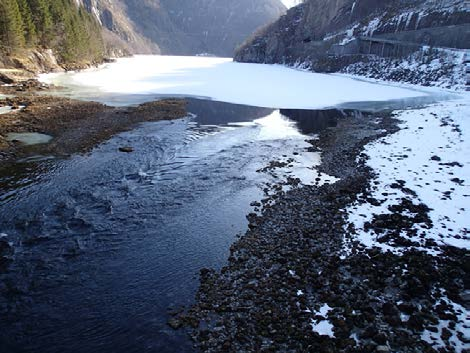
[[313, 121], [220, 113], [105, 243]]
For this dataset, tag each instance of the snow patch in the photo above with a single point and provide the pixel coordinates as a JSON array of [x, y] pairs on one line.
[[323, 327]]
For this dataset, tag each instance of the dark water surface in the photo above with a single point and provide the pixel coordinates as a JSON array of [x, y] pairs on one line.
[[105, 243]]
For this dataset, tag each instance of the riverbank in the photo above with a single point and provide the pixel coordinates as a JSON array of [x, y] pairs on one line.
[[75, 126], [303, 279]]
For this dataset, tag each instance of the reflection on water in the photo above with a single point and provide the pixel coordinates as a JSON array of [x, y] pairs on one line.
[[313, 121], [219, 113], [15, 176]]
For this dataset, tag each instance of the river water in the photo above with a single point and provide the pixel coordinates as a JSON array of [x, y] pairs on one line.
[[105, 243], [102, 245]]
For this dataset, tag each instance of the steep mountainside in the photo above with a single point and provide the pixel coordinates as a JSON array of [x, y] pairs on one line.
[[70, 31], [120, 33], [327, 35], [184, 26]]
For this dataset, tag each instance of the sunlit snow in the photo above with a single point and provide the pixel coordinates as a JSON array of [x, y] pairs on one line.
[[430, 155], [221, 79], [291, 3]]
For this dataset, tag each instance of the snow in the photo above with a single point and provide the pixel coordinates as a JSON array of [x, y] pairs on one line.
[[8, 109], [431, 154], [323, 327], [436, 67], [372, 26], [5, 109], [462, 328], [221, 79], [291, 3]]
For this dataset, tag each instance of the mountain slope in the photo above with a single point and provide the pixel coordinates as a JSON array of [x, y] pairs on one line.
[[184, 26], [312, 31], [44, 35]]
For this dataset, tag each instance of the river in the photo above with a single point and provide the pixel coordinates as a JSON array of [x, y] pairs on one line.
[[106, 243]]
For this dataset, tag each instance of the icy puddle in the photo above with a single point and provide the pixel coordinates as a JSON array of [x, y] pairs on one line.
[[29, 138]]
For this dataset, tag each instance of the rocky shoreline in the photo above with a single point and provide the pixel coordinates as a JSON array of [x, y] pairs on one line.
[[299, 281], [75, 126]]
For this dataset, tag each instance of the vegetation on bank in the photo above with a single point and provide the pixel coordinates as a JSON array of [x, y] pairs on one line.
[[69, 30]]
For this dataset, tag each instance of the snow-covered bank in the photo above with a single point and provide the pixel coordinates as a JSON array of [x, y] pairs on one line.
[[221, 79], [443, 68], [426, 162]]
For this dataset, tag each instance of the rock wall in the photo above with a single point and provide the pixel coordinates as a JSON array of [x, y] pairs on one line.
[[308, 32], [23, 64]]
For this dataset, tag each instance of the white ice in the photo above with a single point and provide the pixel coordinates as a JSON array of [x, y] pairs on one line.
[[221, 79]]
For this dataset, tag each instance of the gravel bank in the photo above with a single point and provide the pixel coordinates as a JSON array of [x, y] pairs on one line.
[[291, 284], [76, 126]]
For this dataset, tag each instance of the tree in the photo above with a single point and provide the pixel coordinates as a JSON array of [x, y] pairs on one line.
[[29, 29], [62, 25], [11, 25], [42, 19]]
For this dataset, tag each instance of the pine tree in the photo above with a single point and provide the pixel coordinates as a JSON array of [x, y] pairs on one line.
[[11, 26], [42, 19], [68, 29], [29, 29]]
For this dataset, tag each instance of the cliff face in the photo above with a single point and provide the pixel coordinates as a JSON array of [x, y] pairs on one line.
[[309, 32], [121, 35], [183, 26]]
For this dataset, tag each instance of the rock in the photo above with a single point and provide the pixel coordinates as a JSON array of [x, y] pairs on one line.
[[126, 149], [294, 244], [175, 323], [6, 79]]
